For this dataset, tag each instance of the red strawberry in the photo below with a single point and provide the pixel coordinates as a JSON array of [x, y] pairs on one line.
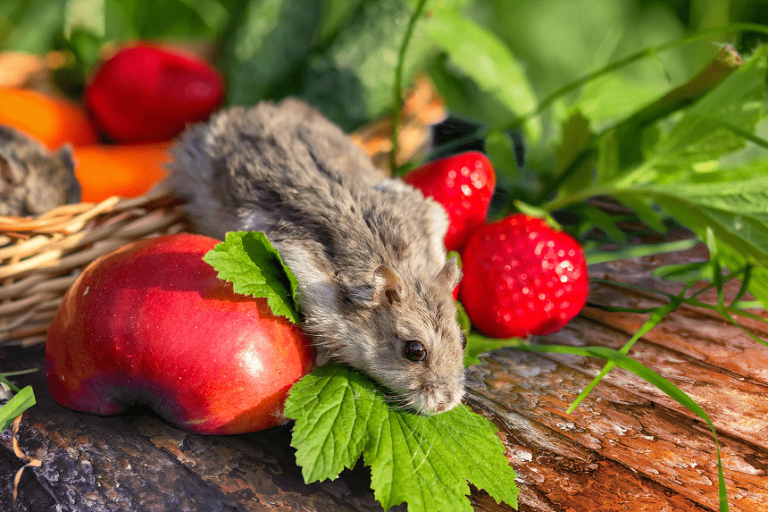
[[148, 93], [463, 184], [522, 277]]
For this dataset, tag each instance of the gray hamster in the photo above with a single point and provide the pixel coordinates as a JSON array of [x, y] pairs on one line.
[[367, 250], [32, 179]]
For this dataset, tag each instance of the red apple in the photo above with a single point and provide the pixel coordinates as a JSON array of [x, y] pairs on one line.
[[152, 324], [149, 93]]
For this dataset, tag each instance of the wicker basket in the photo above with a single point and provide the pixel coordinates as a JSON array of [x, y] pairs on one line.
[[41, 257]]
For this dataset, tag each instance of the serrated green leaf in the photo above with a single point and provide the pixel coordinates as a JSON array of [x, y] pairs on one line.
[[255, 268], [422, 460], [335, 406], [488, 61], [19, 403]]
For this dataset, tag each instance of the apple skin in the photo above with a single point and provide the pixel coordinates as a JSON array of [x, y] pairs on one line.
[[152, 324]]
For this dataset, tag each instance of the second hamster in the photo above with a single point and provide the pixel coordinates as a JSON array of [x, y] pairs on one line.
[[34, 180]]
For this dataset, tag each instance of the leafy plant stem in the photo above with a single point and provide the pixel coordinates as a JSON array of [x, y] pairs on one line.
[[726, 312], [691, 301], [725, 62], [744, 285], [582, 195], [642, 54], [398, 103]]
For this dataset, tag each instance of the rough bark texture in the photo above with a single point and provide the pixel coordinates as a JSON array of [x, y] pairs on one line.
[[628, 447]]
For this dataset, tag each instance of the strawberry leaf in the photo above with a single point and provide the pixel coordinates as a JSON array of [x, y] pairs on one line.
[[255, 268], [480, 55], [422, 460]]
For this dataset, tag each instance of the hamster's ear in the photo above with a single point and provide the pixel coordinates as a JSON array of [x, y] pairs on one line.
[[67, 157], [388, 288], [450, 274], [10, 172]]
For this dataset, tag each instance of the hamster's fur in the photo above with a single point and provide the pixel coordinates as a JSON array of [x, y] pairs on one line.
[[366, 250]]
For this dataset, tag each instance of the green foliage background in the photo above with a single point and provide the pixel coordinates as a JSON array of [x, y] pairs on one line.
[[340, 54]]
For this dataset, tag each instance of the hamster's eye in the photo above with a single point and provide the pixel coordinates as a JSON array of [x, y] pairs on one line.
[[415, 351], [463, 340]]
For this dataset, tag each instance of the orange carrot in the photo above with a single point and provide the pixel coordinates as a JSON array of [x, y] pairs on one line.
[[119, 170], [53, 121]]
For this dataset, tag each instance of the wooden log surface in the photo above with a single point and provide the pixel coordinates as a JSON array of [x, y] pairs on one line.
[[627, 447]]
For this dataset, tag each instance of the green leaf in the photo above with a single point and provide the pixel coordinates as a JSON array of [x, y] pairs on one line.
[[20, 402], [266, 42], [595, 255], [254, 267], [462, 318], [700, 136], [139, 19], [501, 152], [30, 25], [336, 14], [422, 460], [603, 220], [645, 212], [333, 406], [577, 138], [734, 211], [351, 79], [487, 60]]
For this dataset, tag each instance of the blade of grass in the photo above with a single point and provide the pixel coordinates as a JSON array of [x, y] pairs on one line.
[[637, 251], [718, 277], [627, 363], [398, 103], [744, 285], [657, 316], [734, 309], [20, 372], [22, 401]]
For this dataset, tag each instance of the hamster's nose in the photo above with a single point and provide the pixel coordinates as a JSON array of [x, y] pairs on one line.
[[444, 405]]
